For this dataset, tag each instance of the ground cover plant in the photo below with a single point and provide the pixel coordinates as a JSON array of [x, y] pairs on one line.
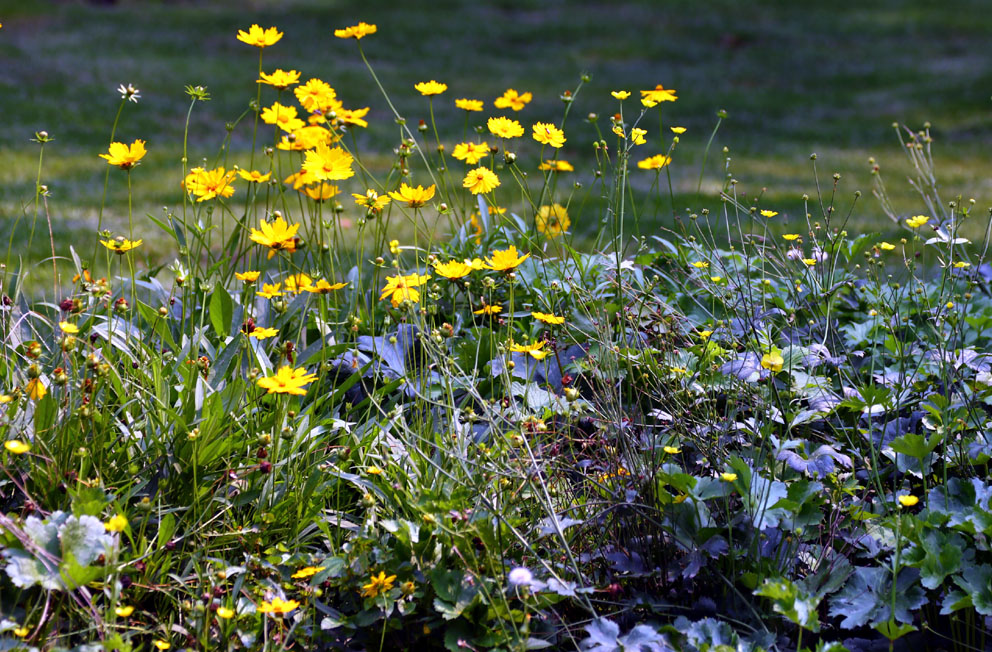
[[755, 429]]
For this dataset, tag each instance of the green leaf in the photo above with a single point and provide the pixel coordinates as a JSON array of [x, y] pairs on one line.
[[892, 630], [787, 599], [221, 310]]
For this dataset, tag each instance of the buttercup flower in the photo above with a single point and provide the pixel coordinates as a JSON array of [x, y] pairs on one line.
[[791, 236], [655, 162], [371, 200], [247, 277], [125, 156], [480, 180], [287, 381], [471, 153], [413, 197], [117, 523], [280, 79], [254, 176], [658, 94], [278, 606], [402, 288], [768, 213], [124, 611], [356, 31], [553, 220], [161, 645], [260, 38], [534, 349], [672, 450], [961, 265], [469, 105], [16, 446], [430, 88], [68, 327], [504, 127], [277, 236], [908, 501], [378, 584], [309, 571], [225, 612], [772, 361], [121, 245], [548, 318], [452, 269], [282, 116], [512, 100], [728, 477], [917, 221], [886, 246], [678, 131], [505, 259], [548, 134], [557, 165], [620, 95]]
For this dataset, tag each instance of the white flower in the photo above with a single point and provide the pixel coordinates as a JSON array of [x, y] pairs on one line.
[[520, 577], [129, 92]]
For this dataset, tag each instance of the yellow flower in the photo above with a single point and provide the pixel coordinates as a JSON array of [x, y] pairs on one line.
[[354, 117], [672, 450], [505, 259], [225, 612], [403, 288], [469, 105], [254, 176], [809, 262], [791, 236], [356, 31], [16, 446], [886, 246], [678, 370], [117, 523], [430, 88], [552, 220], [282, 116], [504, 127], [917, 222], [309, 571], [208, 184], [480, 180], [279, 235], [548, 134], [371, 200], [317, 95], [772, 361], [716, 279], [658, 94], [471, 153], [373, 470], [705, 334], [394, 247], [620, 95], [124, 612], [68, 327], [21, 632], [701, 264], [260, 38], [908, 501], [125, 156], [488, 310], [637, 136], [655, 162], [413, 197], [320, 193], [247, 277], [270, 291], [324, 287], [961, 265], [510, 99], [159, 643], [452, 269], [280, 79], [287, 381], [377, 585], [728, 477], [263, 333], [556, 166], [306, 138], [768, 213], [548, 318], [678, 131], [36, 389], [534, 349], [297, 283], [277, 606]]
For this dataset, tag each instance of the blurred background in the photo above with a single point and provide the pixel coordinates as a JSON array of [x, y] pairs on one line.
[[794, 78]]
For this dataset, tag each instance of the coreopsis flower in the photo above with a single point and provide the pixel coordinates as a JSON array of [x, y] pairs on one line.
[[471, 153], [16, 446], [655, 162], [637, 136], [260, 38], [208, 184], [413, 197], [907, 500], [556, 165], [329, 164], [278, 606], [254, 176], [510, 99], [277, 236], [657, 95], [280, 79], [125, 156], [917, 221], [809, 262], [453, 269], [225, 612], [469, 105], [487, 309], [504, 127], [769, 214], [270, 290], [371, 200], [678, 131], [378, 584], [701, 264], [117, 523], [322, 192], [324, 287], [283, 117], [620, 95], [772, 361], [548, 134], [353, 117], [548, 318], [309, 571], [504, 260], [316, 95], [534, 349], [68, 327], [263, 333], [287, 381], [430, 88], [307, 138], [402, 288], [475, 263], [300, 179], [297, 283], [356, 32], [553, 220], [124, 611], [728, 477], [247, 277], [480, 180], [121, 245]]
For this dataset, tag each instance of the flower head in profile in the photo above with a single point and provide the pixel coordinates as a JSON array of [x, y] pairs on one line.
[[278, 235], [620, 95], [309, 571], [548, 318], [161, 645], [378, 584], [283, 117], [511, 99], [556, 165], [504, 260], [678, 131], [209, 184], [453, 269], [469, 105], [371, 200], [323, 286], [413, 197], [260, 38], [247, 277], [548, 134], [125, 156], [121, 245], [488, 309], [321, 192], [480, 180], [329, 164], [430, 88], [297, 283], [277, 606], [280, 79], [356, 32], [36, 389], [657, 95], [402, 288], [655, 162], [791, 237], [16, 446], [254, 176], [353, 117], [728, 476], [917, 221], [287, 381], [553, 220], [471, 153], [769, 214], [504, 127], [534, 349]]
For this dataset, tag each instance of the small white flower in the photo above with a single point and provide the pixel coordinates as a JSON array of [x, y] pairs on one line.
[[520, 577], [129, 92]]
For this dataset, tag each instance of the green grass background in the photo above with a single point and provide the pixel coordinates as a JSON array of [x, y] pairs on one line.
[[795, 78]]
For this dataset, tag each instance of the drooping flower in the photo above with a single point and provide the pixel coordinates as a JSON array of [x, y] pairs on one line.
[[208, 184], [548, 134], [469, 105], [504, 127], [287, 381], [534, 349], [553, 220], [511, 99], [430, 88], [557, 165], [471, 153], [278, 606], [16, 446], [254, 176], [125, 156], [402, 288], [480, 180], [657, 95], [358, 31], [655, 162], [378, 584], [329, 164], [121, 245], [548, 318], [277, 236], [280, 79], [413, 197], [260, 38], [453, 269], [282, 116], [371, 200], [117, 523], [503, 260]]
